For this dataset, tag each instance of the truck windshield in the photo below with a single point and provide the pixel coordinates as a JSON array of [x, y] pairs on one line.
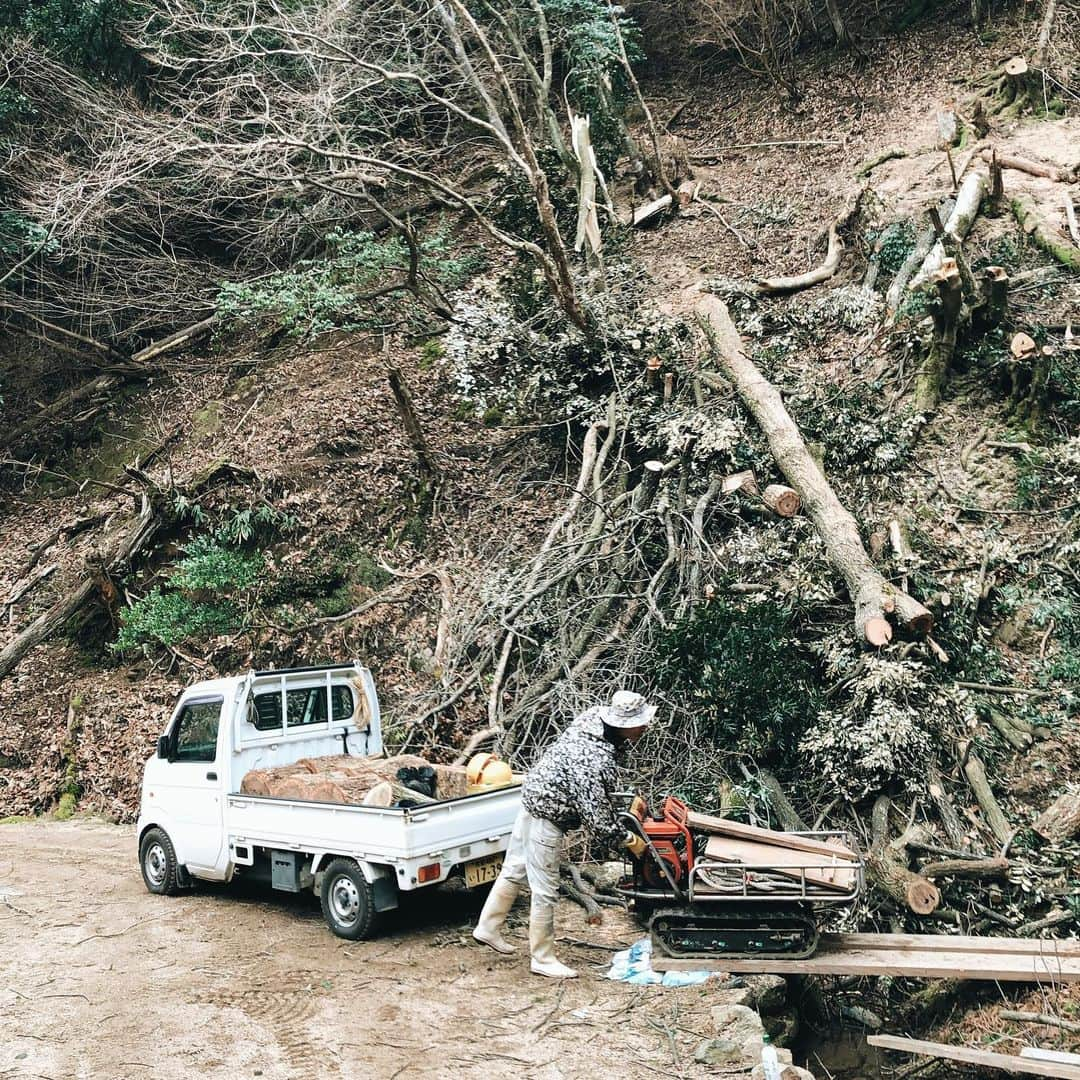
[[304, 706]]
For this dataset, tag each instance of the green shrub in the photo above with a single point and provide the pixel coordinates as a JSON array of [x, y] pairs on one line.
[[208, 565], [169, 618], [233, 525], [319, 295], [743, 674], [19, 236], [182, 610]]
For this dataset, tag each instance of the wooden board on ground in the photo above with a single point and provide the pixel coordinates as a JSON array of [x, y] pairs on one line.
[[938, 960], [967, 943], [723, 826], [787, 862], [985, 1058]]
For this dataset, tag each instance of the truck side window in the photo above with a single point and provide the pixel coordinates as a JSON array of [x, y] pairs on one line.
[[344, 706], [267, 711], [196, 731], [307, 706]]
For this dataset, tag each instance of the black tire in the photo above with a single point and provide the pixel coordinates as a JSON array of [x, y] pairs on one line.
[[348, 901], [157, 860]]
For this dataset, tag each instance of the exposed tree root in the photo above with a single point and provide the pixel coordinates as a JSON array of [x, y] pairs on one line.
[[780, 285], [1030, 220]]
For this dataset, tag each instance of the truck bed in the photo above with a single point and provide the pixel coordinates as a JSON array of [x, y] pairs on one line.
[[463, 829]]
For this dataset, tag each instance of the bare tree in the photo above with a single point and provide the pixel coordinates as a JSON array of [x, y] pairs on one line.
[[363, 101]]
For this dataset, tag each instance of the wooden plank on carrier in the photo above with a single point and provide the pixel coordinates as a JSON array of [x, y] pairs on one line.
[[723, 826], [985, 1058], [966, 943], [787, 862]]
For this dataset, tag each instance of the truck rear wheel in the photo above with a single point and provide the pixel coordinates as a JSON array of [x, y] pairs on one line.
[[157, 859], [348, 900]]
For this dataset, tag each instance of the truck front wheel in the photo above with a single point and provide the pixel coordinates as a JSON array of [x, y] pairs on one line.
[[157, 859], [348, 900]]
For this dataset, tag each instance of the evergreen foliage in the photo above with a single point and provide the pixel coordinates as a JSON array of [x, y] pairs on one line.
[[202, 598], [328, 293], [743, 673], [85, 33]]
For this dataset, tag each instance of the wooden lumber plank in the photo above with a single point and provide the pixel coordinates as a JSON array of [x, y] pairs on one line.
[[832, 958], [1063, 1057], [837, 874], [985, 1058], [962, 943], [725, 827]]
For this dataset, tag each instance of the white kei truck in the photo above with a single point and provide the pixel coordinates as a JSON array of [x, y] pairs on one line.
[[194, 822]]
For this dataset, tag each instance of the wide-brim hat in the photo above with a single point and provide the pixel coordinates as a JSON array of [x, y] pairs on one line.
[[628, 710]]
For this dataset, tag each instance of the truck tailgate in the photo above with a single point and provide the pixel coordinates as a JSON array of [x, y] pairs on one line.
[[374, 833]]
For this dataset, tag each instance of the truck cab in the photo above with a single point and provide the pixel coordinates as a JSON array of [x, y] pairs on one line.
[[195, 821]]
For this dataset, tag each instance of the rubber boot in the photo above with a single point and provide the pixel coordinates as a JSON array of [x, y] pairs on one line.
[[497, 906], [542, 944]]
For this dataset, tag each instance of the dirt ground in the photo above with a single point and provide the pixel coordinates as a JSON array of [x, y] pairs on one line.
[[101, 979]]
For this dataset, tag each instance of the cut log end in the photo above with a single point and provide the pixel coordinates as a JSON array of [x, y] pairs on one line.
[[781, 500], [744, 481], [1016, 67], [922, 897], [1022, 345]]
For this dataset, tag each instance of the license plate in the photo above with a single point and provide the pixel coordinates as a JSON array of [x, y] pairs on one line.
[[482, 871]]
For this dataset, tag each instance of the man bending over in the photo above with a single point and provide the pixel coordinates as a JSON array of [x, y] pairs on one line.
[[570, 787]]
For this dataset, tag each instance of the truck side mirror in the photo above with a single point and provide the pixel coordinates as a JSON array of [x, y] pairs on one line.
[[163, 747]]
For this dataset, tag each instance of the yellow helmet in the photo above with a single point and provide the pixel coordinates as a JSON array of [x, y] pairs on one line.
[[487, 770]]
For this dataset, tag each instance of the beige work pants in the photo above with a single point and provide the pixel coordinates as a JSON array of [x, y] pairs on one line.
[[533, 857]]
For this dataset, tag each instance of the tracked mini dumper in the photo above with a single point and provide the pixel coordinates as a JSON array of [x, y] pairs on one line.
[[709, 888]]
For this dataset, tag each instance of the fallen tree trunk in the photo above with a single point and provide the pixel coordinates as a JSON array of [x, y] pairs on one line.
[[414, 430], [1048, 1019], [1029, 218], [111, 379], [100, 384], [779, 285], [129, 544], [175, 340], [976, 869], [887, 863], [1060, 821], [873, 597], [950, 820], [968, 200], [1032, 168], [992, 813]]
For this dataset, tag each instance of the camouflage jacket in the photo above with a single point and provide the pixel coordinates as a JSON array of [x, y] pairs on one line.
[[573, 783]]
